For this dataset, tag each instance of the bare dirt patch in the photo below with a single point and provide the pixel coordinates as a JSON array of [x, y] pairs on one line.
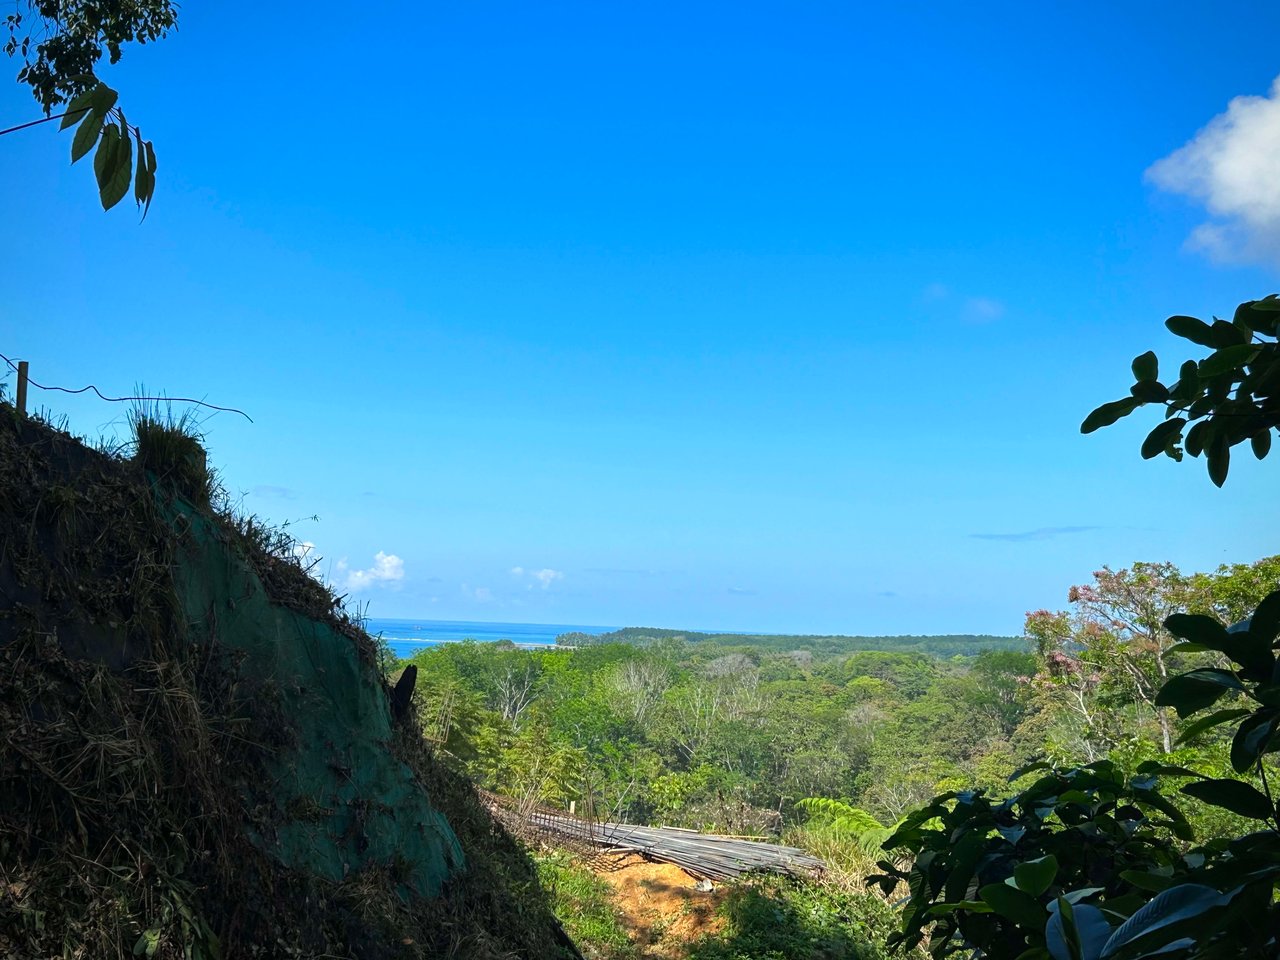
[[660, 905]]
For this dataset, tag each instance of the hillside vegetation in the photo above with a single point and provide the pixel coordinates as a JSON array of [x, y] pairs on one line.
[[197, 755], [843, 752], [950, 645]]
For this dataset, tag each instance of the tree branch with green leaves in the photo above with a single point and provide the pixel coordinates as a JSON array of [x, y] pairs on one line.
[[60, 44], [1224, 399]]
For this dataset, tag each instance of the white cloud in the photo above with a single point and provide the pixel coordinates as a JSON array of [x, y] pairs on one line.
[[1233, 167], [483, 594], [971, 309], [387, 570], [983, 309], [271, 491], [544, 577]]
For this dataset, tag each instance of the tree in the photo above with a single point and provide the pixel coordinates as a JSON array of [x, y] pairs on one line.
[[1128, 608], [61, 43], [1222, 400], [1231, 591], [1088, 863], [639, 685], [514, 685]]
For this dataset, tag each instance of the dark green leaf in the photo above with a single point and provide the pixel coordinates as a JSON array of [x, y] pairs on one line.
[[1038, 764], [1109, 413], [1192, 692], [117, 184], [1167, 911], [1159, 439], [104, 158], [964, 861], [140, 179], [1197, 628], [1258, 315], [1233, 795], [1150, 391], [1261, 443], [1035, 876], [1215, 719], [1227, 334], [104, 99], [1189, 328], [1149, 880], [86, 135], [150, 163], [1194, 441], [1022, 908], [1265, 622], [1076, 931], [1227, 359], [1177, 819], [1253, 738], [1265, 378], [1203, 405], [77, 109], [1145, 366], [1218, 457], [1060, 935], [973, 906], [1207, 633]]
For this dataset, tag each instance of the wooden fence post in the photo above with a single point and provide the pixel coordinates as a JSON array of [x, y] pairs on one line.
[[22, 388]]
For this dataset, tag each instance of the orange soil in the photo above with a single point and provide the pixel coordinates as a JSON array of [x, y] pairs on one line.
[[660, 905]]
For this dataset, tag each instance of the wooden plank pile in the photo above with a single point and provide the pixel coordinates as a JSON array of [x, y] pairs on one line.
[[706, 855]]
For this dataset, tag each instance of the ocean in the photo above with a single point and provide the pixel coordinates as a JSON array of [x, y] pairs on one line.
[[407, 637]]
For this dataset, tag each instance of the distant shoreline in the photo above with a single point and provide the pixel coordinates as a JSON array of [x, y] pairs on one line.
[[406, 637]]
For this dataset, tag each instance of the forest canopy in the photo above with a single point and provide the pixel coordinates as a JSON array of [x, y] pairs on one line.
[[950, 645]]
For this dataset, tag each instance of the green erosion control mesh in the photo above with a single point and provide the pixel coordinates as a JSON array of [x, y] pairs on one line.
[[348, 802]]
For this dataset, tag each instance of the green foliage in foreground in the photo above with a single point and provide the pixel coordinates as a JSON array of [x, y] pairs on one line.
[[950, 645], [582, 903], [767, 918], [1230, 396], [61, 43], [780, 919], [1088, 864]]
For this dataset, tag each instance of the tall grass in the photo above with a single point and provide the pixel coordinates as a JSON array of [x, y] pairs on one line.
[[584, 904], [171, 447]]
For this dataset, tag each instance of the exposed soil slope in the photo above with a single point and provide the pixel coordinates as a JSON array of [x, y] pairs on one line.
[[663, 908], [197, 756]]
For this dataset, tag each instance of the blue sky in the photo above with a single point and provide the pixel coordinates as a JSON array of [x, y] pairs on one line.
[[755, 316]]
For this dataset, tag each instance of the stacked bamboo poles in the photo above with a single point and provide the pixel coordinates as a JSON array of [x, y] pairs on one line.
[[706, 855]]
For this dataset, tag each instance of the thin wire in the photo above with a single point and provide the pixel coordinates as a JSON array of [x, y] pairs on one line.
[[200, 403], [30, 123]]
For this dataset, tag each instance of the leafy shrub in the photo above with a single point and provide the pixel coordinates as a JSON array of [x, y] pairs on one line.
[[583, 903], [784, 919], [1088, 864]]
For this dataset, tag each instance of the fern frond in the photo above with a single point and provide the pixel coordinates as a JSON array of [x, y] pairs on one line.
[[846, 819]]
